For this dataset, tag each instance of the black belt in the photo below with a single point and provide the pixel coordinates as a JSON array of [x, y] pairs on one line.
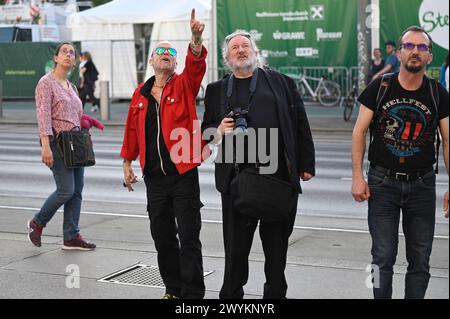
[[401, 176]]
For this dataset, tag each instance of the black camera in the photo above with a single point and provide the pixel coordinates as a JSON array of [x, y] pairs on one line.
[[239, 115]]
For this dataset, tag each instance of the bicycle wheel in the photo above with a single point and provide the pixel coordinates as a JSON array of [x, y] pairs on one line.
[[329, 93], [348, 108], [301, 88]]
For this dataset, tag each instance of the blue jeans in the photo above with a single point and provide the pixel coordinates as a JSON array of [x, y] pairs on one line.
[[417, 202], [69, 186]]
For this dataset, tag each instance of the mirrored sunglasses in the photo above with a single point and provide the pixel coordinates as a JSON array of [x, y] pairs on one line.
[[161, 51]]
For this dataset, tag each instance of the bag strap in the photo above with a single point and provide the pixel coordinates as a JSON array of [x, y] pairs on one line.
[[74, 125], [434, 93], [384, 87]]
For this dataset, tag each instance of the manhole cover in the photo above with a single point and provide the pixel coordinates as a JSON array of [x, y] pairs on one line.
[[139, 275]]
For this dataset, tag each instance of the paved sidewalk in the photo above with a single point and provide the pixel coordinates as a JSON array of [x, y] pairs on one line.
[[321, 264]]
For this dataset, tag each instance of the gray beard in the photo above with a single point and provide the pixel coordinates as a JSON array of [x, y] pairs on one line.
[[248, 66]]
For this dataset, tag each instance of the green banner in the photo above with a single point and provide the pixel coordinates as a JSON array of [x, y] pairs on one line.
[[23, 64], [294, 33], [432, 15]]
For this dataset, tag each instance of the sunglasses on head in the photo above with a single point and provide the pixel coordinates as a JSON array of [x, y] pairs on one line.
[[422, 47], [161, 51]]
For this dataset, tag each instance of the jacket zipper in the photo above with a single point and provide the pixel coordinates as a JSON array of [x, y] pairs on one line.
[[158, 107], [159, 136]]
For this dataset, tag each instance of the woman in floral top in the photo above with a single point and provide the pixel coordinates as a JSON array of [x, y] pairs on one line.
[[58, 108]]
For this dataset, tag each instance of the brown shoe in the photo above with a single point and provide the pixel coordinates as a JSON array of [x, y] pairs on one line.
[[34, 232], [78, 243]]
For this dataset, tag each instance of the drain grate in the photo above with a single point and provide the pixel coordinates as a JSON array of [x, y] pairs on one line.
[[139, 275]]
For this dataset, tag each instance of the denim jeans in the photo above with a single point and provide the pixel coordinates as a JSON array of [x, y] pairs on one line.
[[69, 186], [417, 202]]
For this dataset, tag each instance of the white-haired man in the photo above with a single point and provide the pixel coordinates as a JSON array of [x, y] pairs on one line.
[[266, 102], [166, 102]]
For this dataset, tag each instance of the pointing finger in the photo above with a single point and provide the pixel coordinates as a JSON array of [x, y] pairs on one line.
[[193, 15]]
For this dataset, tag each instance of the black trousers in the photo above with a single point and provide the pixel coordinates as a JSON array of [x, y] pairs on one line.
[[238, 232], [174, 210], [86, 93]]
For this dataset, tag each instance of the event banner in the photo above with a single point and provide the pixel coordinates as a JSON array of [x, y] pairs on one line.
[[294, 33], [22, 64], [432, 15]]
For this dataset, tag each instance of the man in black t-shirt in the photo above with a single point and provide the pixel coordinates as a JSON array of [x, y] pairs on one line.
[[402, 155]]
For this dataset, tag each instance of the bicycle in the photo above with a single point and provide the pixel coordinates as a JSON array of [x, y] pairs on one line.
[[327, 92], [350, 101]]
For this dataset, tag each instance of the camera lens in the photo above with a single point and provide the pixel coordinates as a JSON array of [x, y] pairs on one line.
[[241, 125]]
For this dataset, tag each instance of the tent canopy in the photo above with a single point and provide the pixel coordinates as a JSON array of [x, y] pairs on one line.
[[107, 31], [144, 11]]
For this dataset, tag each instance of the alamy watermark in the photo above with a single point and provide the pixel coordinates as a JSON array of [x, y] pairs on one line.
[[73, 277], [373, 279], [253, 146]]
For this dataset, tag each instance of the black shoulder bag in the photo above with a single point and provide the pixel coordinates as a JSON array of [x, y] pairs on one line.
[[261, 196], [76, 148]]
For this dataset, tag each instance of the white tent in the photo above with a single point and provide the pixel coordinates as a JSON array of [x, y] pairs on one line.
[[107, 32]]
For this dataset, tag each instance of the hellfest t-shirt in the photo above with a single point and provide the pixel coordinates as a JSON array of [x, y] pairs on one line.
[[405, 126]]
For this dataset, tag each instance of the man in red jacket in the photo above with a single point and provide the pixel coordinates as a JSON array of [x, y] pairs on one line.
[[161, 110]]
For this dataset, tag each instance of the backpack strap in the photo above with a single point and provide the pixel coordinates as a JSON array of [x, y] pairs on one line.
[[385, 84], [223, 96], [434, 93]]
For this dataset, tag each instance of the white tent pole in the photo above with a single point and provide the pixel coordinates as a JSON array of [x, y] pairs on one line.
[[215, 66], [375, 24]]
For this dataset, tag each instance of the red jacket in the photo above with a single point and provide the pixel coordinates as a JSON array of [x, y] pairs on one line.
[[178, 110]]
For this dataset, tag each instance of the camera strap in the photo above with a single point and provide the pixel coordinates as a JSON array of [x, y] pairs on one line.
[[253, 84]]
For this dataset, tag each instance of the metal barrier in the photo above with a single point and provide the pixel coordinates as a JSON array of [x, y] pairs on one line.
[[341, 75]]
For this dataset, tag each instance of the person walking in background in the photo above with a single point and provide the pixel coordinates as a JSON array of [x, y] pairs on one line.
[[391, 64], [81, 71], [58, 108], [377, 63], [88, 77], [161, 105], [446, 79], [404, 112]]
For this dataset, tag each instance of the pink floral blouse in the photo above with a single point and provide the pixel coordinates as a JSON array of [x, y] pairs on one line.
[[56, 107]]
